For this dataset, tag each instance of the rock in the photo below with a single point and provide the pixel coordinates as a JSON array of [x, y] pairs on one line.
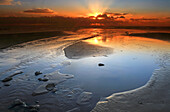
[[37, 73], [43, 79], [100, 64], [6, 84], [139, 102], [40, 90], [74, 110], [84, 98], [7, 79], [16, 74], [37, 102], [50, 86]]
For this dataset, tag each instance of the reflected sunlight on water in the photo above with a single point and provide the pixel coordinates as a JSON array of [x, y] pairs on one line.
[[128, 64]]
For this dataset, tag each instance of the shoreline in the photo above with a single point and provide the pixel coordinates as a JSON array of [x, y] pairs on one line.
[[154, 96]]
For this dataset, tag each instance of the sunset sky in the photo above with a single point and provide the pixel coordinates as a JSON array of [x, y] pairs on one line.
[[133, 9]]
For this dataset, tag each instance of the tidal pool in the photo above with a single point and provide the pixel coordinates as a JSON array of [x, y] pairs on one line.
[[129, 62]]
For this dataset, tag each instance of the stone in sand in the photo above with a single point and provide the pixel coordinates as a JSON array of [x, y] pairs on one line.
[[100, 64], [37, 73], [43, 79], [84, 98]]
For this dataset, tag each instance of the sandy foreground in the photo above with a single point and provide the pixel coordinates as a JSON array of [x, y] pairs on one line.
[[152, 97]]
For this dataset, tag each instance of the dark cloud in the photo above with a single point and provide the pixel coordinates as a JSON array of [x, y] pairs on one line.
[[167, 17], [9, 2], [39, 10], [117, 14], [103, 15], [122, 17], [144, 19]]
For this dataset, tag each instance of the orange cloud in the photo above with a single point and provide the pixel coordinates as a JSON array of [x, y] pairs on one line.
[[144, 19], [39, 10], [9, 2]]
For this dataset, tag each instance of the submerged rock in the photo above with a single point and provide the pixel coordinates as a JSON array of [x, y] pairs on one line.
[[37, 73], [43, 79], [84, 98], [9, 78]]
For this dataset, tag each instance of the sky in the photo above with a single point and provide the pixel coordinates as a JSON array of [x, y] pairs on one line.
[[135, 9]]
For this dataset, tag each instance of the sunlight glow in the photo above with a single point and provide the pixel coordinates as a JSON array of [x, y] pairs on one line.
[[97, 7]]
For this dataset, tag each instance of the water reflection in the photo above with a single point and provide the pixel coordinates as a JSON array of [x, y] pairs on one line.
[[129, 63]]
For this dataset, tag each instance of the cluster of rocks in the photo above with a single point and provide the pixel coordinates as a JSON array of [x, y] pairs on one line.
[[50, 81], [9, 78], [21, 104]]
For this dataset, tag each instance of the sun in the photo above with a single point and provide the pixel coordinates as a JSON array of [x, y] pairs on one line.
[[95, 14], [96, 7]]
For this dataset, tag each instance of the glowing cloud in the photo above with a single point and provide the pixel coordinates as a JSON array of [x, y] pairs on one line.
[[98, 7], [39, 10], [9, 2]]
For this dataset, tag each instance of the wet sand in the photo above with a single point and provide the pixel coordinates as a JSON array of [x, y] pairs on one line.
[[7, 40], [161, 36]]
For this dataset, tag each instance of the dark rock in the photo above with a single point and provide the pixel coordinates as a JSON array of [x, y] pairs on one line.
[[37, 102], [100, 64], [139, 102], [43, 79], [16, 74], [37, 73], [50, 86], [6, 84], [7, 79]]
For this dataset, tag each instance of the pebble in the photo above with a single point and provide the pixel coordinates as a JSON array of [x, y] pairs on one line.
[[100, 64], [43, 79], [37, 73]]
